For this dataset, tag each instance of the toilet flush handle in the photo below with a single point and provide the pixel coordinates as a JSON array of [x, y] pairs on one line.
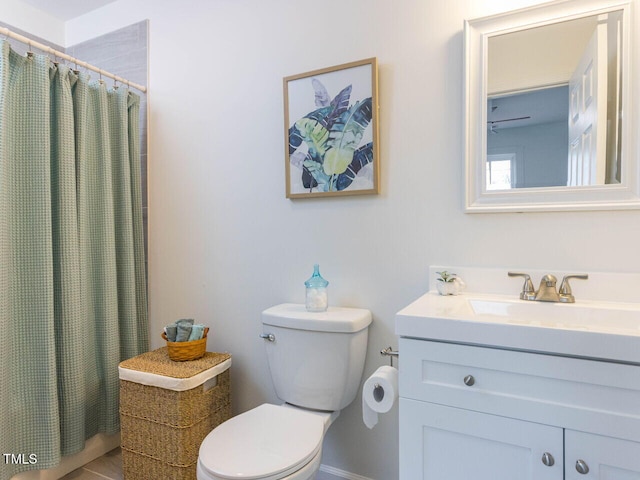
[[268, 336]]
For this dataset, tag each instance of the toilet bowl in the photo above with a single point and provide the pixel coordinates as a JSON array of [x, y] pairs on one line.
[[269, 442], [316, 360]]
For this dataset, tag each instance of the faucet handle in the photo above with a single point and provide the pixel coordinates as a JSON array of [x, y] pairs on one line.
[[528, 292], [566, 296]]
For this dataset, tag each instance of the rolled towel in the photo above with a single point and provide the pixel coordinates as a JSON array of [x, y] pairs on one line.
[[185, 321], [184, 330], [171, 331], [197, 331]]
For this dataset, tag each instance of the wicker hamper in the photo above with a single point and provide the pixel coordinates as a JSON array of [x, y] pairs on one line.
[[166, 410]]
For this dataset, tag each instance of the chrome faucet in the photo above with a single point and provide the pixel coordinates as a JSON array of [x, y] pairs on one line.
[[547, 291]]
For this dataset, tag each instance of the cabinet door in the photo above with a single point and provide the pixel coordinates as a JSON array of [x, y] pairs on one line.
[[605, 458], [438, 442]]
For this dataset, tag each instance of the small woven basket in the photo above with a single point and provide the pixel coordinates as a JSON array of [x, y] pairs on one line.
[[184, 351]]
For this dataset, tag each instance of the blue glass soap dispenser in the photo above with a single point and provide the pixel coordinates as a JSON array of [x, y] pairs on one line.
[[316, 298]]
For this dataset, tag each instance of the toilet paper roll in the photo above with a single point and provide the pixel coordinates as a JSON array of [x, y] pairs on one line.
[[379, 393]]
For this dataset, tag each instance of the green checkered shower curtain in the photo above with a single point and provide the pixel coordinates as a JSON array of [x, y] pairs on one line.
[[72, 280]]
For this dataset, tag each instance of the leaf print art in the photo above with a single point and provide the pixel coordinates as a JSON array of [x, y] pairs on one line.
[[329, 147]]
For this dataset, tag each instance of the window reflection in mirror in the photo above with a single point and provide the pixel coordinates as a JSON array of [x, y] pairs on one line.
[[553, 105], [501, 171]]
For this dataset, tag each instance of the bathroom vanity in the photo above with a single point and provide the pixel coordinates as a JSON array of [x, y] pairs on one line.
[[497, 388]]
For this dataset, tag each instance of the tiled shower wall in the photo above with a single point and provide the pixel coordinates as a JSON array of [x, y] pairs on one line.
[[122, 52]]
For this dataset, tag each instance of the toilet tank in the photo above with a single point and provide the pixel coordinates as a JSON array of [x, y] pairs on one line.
[[316, 359]]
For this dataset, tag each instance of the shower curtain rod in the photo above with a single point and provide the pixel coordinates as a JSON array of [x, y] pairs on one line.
[[45, 48]]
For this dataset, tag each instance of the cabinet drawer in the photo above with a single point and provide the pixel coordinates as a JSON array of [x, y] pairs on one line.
[[582, 394]]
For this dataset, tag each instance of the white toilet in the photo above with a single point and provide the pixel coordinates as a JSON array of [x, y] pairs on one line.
[[316, 362]]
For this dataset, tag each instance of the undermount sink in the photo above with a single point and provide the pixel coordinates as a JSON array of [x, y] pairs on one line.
[[592, 316], [588, 329]]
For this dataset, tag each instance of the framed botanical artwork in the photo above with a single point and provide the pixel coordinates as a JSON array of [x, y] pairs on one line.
[[331, 131]]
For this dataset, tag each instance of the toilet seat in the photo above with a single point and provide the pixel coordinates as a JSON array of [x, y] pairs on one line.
[[269, 442], [305, 473]]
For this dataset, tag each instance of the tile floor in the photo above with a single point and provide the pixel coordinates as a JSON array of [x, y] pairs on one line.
[[109, 467]]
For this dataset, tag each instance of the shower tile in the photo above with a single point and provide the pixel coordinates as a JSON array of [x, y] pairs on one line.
[[112, 44], [122, 52], [134, 63]]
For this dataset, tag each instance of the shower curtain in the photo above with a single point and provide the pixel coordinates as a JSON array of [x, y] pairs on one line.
[[72, 278]]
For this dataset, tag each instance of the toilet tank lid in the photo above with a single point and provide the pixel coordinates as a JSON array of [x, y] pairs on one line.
[[334, 319]]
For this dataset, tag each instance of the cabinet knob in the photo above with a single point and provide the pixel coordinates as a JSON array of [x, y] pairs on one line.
[[548, 459], [582, 467], [469, 380]]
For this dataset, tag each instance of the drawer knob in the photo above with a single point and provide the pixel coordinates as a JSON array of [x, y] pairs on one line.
[[548, 459], [469, 380], [582, 467]]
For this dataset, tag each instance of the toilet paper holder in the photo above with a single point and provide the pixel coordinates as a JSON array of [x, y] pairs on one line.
[[389, 352]]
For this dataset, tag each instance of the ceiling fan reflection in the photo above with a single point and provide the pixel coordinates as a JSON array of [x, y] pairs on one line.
[[493, 124]]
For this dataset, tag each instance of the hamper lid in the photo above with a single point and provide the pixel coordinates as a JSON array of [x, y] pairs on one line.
[[157, 370], [268, 442]]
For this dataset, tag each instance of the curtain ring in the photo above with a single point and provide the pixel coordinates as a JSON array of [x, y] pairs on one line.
[[30, 52]]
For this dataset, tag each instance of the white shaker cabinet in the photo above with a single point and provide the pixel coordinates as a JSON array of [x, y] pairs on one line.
[[438, 442], [475, 412], [596, 457]]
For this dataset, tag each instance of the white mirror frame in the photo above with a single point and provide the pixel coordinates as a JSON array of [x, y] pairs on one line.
[[625, 195]]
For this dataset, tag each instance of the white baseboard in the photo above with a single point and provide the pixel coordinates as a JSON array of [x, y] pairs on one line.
[[341, 473]]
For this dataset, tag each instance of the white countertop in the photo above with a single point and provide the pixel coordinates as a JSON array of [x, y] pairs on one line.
[[588, 328]]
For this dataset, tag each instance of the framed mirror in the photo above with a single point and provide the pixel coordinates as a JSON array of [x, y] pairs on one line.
[[548, 109]]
